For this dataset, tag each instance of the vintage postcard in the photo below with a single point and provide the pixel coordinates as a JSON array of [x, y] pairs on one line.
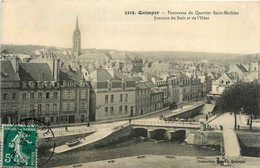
[[144, 83]]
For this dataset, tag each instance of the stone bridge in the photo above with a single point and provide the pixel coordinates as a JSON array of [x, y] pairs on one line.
[[164, 129]]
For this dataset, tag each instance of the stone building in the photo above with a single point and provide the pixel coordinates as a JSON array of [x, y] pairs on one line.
[[143, 95], [10, 84], [112, 95], [74, 97], [39, 94]]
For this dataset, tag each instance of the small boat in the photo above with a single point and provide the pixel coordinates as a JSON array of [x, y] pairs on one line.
[[73, 142]]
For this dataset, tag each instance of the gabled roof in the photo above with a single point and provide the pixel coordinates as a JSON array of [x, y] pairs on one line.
[[7, 71], [231, 76], [137, 79], [35, 72], [141, 85], [67, 75], [151, 75], [102, 75], [241, 67]]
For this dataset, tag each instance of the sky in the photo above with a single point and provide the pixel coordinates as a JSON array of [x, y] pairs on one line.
[[104, 25]]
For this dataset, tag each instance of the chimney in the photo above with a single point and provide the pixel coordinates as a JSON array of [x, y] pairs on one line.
[[146, 77], [56, 69]]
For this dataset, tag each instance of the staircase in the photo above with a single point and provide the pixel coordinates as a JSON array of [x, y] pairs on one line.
[[231, 144], [207, 108]]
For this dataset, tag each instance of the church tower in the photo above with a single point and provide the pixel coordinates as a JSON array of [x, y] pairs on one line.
[[76, 40]]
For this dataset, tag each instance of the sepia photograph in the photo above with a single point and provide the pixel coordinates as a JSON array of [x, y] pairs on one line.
[[123, 84]]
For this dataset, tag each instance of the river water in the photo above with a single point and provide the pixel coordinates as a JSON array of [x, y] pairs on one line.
[[131, 147]]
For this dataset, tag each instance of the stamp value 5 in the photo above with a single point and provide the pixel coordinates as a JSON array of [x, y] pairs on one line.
[[19, 146]]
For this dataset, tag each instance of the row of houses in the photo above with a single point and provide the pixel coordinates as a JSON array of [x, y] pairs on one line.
[[56, 94]]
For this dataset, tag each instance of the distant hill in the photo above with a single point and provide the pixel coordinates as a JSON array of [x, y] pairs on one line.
[[192, 56], [150, 55], [24, 49]]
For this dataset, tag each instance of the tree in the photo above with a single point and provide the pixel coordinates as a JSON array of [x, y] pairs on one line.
[[241, 98]]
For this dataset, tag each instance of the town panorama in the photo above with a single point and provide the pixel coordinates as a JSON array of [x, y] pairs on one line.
[[108, 108]]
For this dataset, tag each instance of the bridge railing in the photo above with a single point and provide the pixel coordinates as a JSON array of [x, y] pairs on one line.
[[167, 123], [120, 126]]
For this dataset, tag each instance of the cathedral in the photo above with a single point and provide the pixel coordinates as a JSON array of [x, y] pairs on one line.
[[76, 40]]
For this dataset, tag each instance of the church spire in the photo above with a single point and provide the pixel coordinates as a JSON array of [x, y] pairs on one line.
[[77, 23], [76, 40]]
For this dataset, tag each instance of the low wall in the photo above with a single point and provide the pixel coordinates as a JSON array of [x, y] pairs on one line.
[[208, 138], [113, 138], [187, 114], [249, 139], [60, 140]]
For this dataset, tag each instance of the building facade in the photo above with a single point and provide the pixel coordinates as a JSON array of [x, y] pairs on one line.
[[143, 95], [112, 95]]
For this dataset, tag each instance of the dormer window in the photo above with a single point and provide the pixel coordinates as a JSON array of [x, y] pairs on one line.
[[123, 84], [109, 85]]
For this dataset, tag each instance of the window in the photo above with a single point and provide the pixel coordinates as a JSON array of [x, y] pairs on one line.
[[106, 111], [82, 105], [106, 98], [54, 107], [82, 118], [52, 119], [39, 95], [39, 108], [120, 109], [72, 94], [111, 110], [47, 107], [24, 96], [64, 106], [83, 94], [23, 108], [31, 107], [47, 95], [126, 109], [5, 96], [217, 88], [14, 95], [31, 95], [126, 97], [63, 118], [55, 95], [112, 98], [109, 85], [123, 85], [14, 108], [65, 94], [71, 106], [121, 98], [4, 108]]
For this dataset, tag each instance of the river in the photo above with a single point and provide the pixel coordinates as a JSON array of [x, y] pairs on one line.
[[131, 147]]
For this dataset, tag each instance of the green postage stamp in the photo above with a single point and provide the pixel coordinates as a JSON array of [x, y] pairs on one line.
[[19, 146]]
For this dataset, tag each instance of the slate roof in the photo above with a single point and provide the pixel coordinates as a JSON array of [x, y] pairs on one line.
[[67, 75], [7, 71], [151, 75], [94, 56], [35, 72], [232, 77], [241, 67], [101, 76], [141, 85]]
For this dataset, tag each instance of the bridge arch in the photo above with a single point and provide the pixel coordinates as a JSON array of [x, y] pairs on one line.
[[138, 132], [159, 134], [178, 135]]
